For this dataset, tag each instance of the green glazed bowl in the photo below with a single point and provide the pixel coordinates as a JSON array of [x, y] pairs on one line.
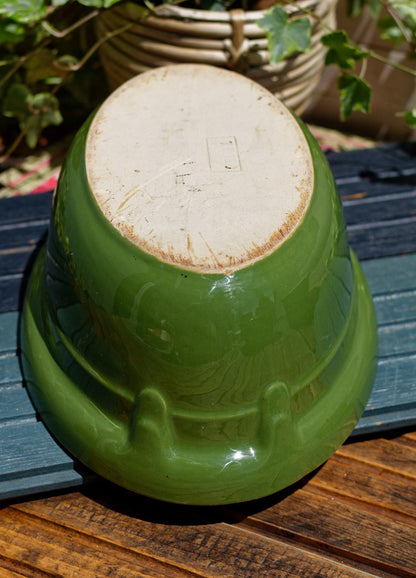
[[197, 328]]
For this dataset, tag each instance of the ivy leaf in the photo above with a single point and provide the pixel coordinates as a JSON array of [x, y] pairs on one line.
[[405, 8], [16, 101], [340, 51], [355, 94], [40, 66], [23, 11], [33, 111], [98, 3], [285, 36], [409, 117], [390, 31], [11, 32]]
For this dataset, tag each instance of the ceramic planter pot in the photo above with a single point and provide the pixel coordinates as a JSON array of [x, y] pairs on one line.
[[197, 329], [230, 40]]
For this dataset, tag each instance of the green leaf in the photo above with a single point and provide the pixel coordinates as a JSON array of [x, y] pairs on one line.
[[405, 8], [11, 32], [285, 36], [34, 112], [355, 94], [355, 7], [16, 102], [109, 3], [23, 11], [340, 50], [390, 31], [40, 66], [98, 3], [409, 117], [46, 107]]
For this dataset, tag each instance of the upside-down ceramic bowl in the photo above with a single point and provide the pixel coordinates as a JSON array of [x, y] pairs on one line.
[[197, 328]]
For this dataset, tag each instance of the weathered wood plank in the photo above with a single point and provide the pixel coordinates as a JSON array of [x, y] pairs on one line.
[[368, 191], [68, 476], [352, 530], [16, 260], [395, 384], [29, 450], [389, 456], [183, 537], [397, 339], [391, 275], [386, 208], [23, 234], [9, 322], [9, 369], [25, 208], [11, 293], [393, 494], [15, 404], [383, 239], [389, 161], [399, 307]]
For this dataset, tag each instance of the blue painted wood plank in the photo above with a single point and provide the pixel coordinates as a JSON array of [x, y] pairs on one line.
[[23, 234], [32, 461], [11, 295], [390, 275], [15, 404], [388, 161], [9, 369], [397, 339], [8, 332], [397, 307], [15, 260], [58, 479], [25, 208], [395, 385], [27, 447], [363, 191], [380, 422], [385, 209], [383, 239]]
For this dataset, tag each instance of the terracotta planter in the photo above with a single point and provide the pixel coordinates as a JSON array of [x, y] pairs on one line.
[[226, 39]]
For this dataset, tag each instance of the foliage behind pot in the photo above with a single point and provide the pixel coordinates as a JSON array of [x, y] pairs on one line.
[[230, 39], [50, 73]]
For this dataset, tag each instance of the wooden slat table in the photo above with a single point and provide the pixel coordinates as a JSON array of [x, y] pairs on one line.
[[355, 516]]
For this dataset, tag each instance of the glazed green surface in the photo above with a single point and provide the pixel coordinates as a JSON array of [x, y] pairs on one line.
[[198, 388]]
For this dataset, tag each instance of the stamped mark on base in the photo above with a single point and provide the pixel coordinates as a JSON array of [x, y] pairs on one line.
[[223, 153]]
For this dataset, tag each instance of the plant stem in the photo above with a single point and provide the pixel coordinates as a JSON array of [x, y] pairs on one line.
[[396, 65], [396, 17], [17, 141], [62, 33], [16, 67]]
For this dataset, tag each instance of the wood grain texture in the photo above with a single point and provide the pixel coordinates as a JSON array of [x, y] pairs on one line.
[[355, 516]]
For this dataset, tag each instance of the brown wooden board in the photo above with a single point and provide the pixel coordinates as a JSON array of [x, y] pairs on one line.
[[353, 517]]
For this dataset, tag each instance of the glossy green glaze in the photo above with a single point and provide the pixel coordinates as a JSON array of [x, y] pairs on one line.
[[189, 387]]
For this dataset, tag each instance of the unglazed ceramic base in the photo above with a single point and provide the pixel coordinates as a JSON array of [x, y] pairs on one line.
[[198, 329], [196, 202]]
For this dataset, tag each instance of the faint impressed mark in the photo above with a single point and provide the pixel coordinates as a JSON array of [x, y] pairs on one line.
[[223, 154]]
